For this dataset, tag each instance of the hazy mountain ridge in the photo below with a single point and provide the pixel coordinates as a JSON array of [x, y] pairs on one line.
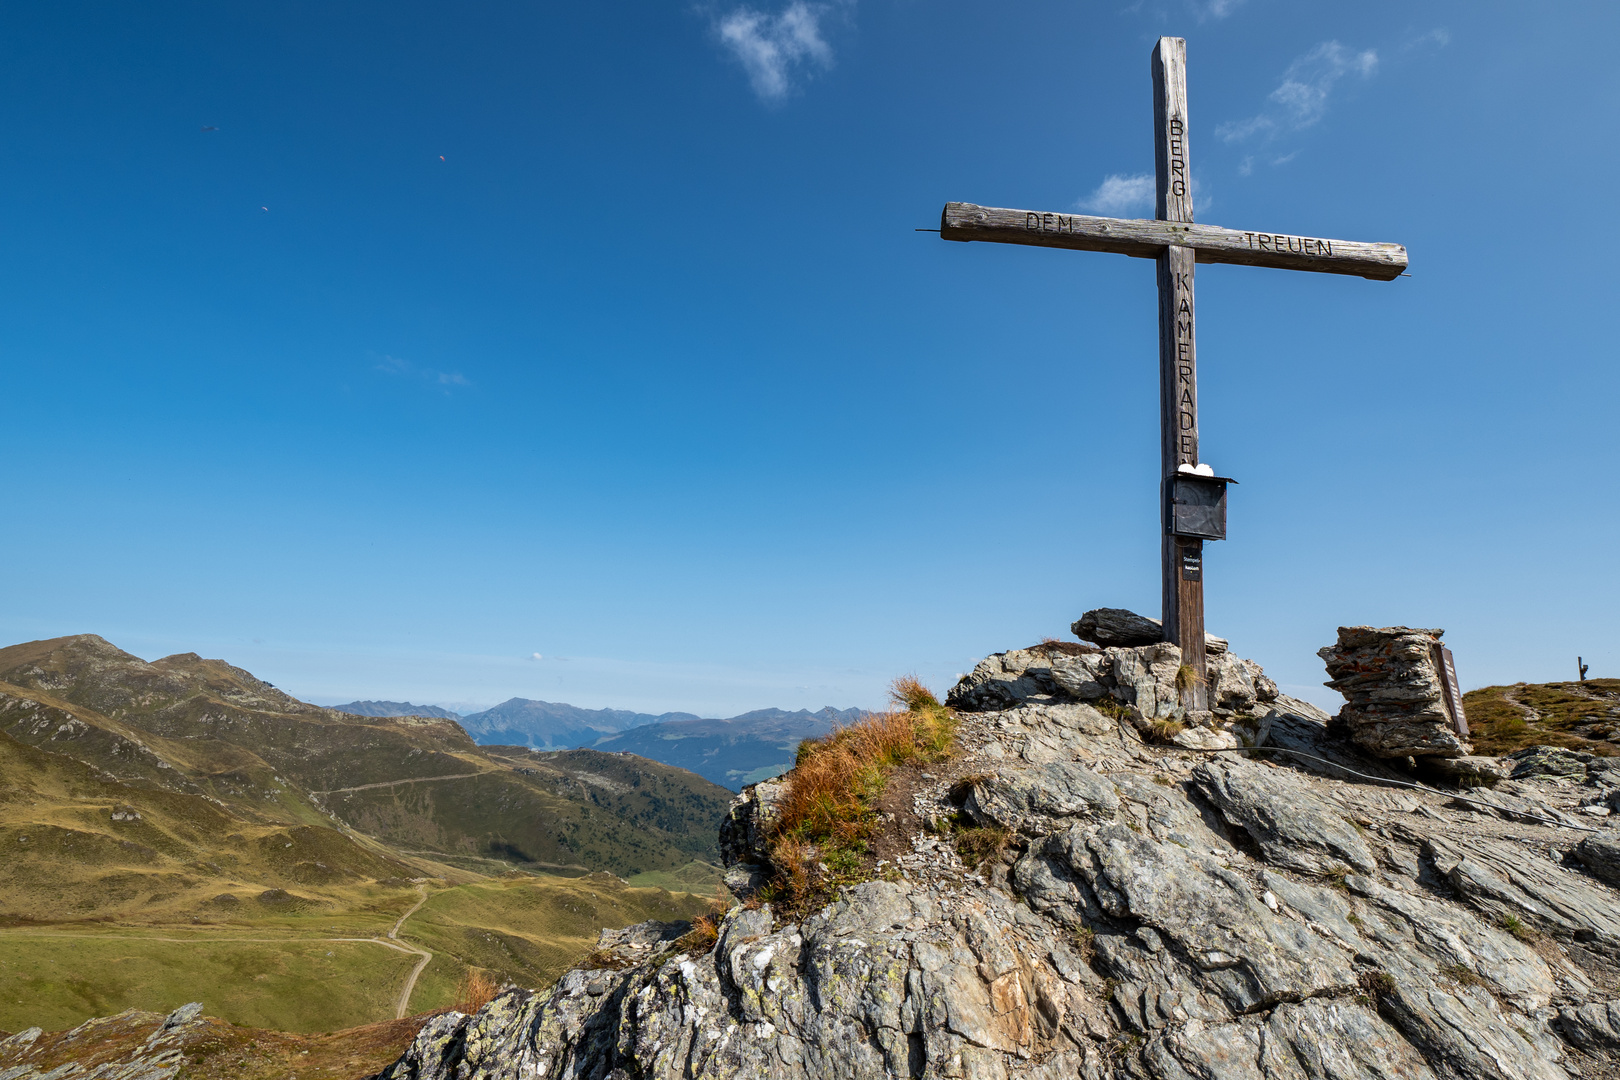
[[730, 751], [554, 725], [395, 708]]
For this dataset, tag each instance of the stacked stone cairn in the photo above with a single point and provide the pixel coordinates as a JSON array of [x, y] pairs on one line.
[[1394, 698]]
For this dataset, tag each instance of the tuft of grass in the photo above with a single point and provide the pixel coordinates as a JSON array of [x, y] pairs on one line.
[[475, 990], [1186, 677], [978, 845], [1517, 927], [701, 938], [819, 838], [1377, 984], [1111, 709], [1462, 975], [1162, 731]]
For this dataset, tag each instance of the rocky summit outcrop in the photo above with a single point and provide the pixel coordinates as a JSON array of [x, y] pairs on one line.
[[1157, 912], [1146, 682], [1394, 699]]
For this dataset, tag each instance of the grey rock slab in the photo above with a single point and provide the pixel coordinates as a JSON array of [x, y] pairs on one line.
[[1117, 626], [1462, 1032], [745, 828], [1292, 827], [1170, 817], [1030, 797], [1248, 953], [1004, 679], [1502, 878], [1313, 1040], [1448, 939], [1083, 677], [1471, 770], [1238, 684], [1078, 717], [1507, 805], [1601, 855], [1548, 761], [1593, 1026], [1145, 679]]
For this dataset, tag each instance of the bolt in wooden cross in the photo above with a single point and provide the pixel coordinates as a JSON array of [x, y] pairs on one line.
[[1177, 243]]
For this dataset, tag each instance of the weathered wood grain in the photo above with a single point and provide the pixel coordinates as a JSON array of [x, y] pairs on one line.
[[1145, 239], [1173, 187], [1183, 558]]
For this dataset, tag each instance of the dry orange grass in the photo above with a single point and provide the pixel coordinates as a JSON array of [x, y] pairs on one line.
[[475, 990], [825, 815]]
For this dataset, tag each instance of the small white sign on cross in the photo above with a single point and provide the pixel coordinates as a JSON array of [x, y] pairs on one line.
[[1177, 243]]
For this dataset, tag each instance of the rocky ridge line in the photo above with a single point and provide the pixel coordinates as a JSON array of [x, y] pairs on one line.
[[1159, 913]]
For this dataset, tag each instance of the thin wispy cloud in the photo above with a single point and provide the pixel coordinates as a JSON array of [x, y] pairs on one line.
[[1162, 11], [1118, 194], [1437, 38], [404, 369], [1301, 99], [779, 51]]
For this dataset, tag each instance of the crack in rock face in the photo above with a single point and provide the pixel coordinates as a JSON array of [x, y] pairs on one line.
[[1157, 914]]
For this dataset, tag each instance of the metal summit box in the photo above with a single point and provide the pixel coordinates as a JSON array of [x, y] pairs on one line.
[[1197, 507]]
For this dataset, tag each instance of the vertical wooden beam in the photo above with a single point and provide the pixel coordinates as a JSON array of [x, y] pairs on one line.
[[1183, 599]]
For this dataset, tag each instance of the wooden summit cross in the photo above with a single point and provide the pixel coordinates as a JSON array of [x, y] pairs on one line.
[[1191, 509]]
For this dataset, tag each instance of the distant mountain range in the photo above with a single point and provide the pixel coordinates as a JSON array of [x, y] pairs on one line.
[[730, 752], [742, 750], [395, 708], [553, 725]]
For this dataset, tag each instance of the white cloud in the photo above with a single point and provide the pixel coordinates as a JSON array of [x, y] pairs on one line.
[[1118, 194], [1301, 99], [537, 656], [1218, 9], [773, 49], [404, 369], [1439, 37]]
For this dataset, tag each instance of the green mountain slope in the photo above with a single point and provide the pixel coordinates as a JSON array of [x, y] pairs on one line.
[[180, 830], [202, 728], [1577, 715]]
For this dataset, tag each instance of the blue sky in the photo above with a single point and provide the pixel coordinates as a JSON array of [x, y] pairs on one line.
[[587, 352]]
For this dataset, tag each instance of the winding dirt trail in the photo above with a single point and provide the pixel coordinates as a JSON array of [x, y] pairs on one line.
[[402, 1007], [392, 941], [407, 780]]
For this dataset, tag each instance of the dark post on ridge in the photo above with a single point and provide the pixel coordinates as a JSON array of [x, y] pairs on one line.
[[1183, 556]]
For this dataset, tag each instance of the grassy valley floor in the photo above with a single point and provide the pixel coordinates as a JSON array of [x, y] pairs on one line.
[[310, 968]]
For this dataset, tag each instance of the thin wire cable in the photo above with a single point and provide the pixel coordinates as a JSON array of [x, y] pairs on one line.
[[1365, 776]]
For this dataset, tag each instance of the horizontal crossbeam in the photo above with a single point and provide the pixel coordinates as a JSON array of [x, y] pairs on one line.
[[1147, 239]]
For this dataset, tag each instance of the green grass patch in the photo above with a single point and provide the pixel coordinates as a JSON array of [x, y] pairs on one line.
[[295, 985], [695, 877]]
